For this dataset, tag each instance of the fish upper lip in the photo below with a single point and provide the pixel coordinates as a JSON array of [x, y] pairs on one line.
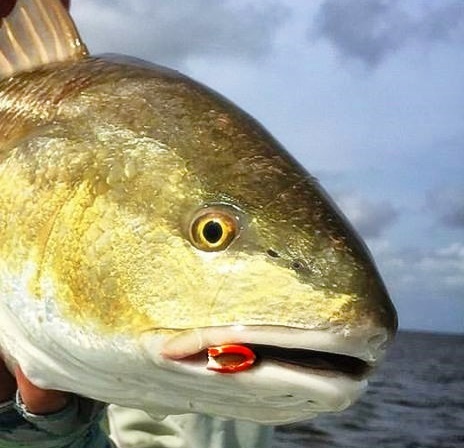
[[355, 352]]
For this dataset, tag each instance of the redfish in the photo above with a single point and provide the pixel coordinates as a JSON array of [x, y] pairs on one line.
[[146, 223]]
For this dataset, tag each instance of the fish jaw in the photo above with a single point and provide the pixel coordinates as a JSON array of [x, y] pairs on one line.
[[278, 389], [152, 371]]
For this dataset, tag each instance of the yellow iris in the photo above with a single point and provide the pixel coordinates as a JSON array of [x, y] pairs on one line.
[[213, 230]]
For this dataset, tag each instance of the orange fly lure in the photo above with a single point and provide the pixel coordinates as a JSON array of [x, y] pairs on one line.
[[230, 358]]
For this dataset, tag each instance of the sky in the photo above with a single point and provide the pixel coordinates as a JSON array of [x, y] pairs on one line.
[[367, 94]]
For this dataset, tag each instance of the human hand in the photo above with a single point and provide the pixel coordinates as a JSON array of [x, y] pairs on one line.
[[37, 401], [46, 417]]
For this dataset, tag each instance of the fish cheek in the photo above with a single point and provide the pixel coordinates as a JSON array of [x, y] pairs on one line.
[[104, 257], [79, 266], [122, 271]]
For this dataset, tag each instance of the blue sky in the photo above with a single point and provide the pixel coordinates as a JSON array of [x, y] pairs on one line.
[[367, 94]]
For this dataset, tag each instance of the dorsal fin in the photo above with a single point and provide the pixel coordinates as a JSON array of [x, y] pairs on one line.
[[38, 32]]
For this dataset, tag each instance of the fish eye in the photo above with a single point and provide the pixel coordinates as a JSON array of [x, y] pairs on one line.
[[213, 230]]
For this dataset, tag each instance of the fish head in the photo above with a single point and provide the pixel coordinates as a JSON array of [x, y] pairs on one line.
[[176, 223]]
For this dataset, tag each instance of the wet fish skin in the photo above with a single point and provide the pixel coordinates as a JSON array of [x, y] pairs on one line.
[[105, 162]]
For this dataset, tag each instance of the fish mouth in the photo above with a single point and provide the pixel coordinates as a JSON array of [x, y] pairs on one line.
[[294, 374], [313, 359], [323, 352], [323, 363]]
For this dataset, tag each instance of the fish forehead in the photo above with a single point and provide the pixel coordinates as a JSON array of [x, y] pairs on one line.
[[229, 152]]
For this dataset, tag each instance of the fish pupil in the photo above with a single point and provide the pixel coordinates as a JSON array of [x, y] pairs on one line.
[[212, 232]]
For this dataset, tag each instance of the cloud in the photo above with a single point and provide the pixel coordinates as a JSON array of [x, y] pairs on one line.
[[371, 30], [448, 204], [426, 284], [437, 272], [446, 263], [371, 219], [171, 32]]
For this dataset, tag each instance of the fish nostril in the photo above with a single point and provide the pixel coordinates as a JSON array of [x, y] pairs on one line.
[[297, 264], [272, 253]]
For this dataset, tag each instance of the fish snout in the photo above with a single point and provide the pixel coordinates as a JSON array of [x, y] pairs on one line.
[[376, 321]]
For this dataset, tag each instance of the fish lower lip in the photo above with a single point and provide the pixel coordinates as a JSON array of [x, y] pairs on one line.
[[322, 362]]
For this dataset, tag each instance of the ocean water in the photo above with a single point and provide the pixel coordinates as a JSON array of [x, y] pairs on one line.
[[415, 400]]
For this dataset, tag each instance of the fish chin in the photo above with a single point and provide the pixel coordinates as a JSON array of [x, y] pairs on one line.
[[269, 394]]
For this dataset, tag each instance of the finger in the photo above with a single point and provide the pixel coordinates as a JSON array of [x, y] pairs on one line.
[[7, 383], [40, 401], [6, 6]]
